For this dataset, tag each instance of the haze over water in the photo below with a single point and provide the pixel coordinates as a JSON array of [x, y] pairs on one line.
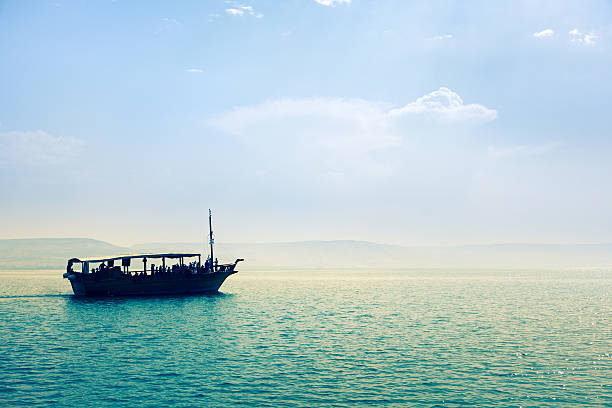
[[445, 338]]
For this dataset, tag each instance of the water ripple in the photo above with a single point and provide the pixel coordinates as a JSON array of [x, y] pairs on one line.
[[412, 338]]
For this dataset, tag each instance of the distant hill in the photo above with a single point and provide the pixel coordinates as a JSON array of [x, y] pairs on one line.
[[306, 254], [53, 254], [360, 254]]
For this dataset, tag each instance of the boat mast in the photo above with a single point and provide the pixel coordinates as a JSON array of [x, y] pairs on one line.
[[212, 241]]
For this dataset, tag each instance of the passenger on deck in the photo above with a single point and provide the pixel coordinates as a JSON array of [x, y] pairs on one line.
[[207, 264]]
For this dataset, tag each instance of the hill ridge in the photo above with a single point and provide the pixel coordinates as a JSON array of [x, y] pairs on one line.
[[52, 253]]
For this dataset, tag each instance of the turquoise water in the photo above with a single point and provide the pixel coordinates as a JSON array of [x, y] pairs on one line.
[[308, 339]]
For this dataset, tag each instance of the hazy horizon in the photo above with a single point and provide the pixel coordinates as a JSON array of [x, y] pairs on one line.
[[407, 123], [49, 253], [205, 242], [415, 245]]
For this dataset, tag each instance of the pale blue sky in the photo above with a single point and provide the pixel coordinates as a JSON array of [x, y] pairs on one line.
[[409, 122]]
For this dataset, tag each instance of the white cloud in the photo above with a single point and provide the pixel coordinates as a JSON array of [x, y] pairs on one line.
[[442, 105], [242, 10], [195, 70], [352, 120], [37, 147], [332, 3], [324, 138], [578, 37], [443, 37], [522, 150], [544, 33], [334, 136], [234, 12], [446, 105]]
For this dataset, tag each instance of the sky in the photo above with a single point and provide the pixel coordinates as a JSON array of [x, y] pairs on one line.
[[433, 122]]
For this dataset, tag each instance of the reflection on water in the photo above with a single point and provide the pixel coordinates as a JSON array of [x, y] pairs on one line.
[[303, 338]]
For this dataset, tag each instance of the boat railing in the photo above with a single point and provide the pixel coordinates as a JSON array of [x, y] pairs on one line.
[[192, 268]]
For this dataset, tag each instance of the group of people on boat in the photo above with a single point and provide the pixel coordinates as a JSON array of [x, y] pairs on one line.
[[177, 269], [106, 270]]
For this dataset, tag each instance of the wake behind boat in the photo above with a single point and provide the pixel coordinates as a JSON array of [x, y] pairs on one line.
[[102, 277]]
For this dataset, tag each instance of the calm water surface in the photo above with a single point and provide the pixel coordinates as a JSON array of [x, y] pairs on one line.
[[307, 339]]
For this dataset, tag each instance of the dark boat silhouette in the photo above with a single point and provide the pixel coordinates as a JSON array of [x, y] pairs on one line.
[[101, 277]]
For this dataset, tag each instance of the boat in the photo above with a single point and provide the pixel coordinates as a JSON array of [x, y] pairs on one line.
[[178, 273]]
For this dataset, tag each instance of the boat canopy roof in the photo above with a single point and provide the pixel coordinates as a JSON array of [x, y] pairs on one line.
[[172, 255]]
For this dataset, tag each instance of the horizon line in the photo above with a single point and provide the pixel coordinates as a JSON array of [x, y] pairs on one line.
[[455, 245]]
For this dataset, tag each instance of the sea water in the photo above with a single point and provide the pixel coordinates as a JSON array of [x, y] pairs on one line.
[[446, 338]]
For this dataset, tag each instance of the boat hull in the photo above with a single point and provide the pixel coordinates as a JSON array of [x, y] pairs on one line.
[[84, 285]]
